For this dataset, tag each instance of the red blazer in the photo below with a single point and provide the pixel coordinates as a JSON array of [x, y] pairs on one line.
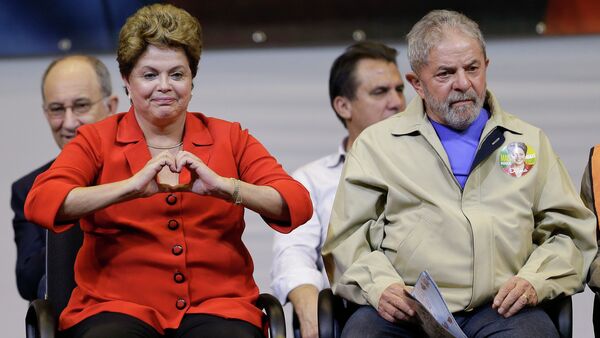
[[160, 258]]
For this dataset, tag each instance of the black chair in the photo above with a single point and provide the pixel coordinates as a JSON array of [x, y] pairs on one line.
[[61, 249], [296, 324], [560, 311], [275, 319], [333, 313]]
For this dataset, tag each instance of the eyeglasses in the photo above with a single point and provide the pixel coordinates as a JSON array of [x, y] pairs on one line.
[[79, 108]]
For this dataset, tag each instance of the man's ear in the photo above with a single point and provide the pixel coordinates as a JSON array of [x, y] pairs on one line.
[[343, 107], [414, 81], [112, 103]]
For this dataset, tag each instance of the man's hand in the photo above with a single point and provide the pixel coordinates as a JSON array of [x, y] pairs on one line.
[[514, 295], [304, 299], [395, 304]]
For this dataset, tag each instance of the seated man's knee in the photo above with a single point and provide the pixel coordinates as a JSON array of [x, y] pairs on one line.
[[365, 322]]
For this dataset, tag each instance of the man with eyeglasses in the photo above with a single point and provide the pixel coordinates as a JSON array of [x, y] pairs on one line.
[[76, 90]]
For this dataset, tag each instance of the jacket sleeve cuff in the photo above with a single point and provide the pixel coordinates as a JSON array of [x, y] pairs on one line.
[[299, 205], [367, 278], [538, 284], [376, 290], [42, 208]]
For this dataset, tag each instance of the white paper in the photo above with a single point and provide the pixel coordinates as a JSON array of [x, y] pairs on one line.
[[428, 294]]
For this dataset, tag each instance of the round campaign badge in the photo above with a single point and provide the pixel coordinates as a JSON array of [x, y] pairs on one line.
[[517, 159]]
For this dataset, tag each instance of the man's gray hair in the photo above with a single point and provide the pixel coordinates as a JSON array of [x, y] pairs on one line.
[[99, 67], [430, 30]]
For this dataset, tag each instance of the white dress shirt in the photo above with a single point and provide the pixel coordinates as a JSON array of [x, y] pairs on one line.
[[297, 255]]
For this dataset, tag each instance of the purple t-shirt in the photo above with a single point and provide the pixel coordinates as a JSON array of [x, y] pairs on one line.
[[461, 145]]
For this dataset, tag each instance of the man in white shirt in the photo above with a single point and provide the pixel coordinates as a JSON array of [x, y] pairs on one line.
[[365, 87]]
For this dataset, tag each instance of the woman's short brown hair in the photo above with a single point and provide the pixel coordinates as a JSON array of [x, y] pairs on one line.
[[161, 25]]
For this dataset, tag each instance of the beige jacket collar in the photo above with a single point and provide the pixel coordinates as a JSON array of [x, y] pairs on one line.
[[414, 121], [414, 118]]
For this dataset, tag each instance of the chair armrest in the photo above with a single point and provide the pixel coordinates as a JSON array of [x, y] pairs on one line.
[[275, 315], [560, 311], [330, 313], [325, 314], [596, 311], [40, 321], [295, 324]]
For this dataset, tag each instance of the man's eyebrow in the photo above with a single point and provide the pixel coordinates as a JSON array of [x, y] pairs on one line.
[[379, 88], [445, 68], [473, 62]]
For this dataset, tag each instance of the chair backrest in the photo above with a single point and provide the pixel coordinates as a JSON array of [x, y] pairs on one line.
[[560, 311], [61, 250], [596, 313]]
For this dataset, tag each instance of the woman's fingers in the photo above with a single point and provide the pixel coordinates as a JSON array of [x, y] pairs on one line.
[[203, 180], [189, 160], [145, 181]]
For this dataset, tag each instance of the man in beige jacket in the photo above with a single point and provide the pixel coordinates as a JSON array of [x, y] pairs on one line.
[[432, 188]]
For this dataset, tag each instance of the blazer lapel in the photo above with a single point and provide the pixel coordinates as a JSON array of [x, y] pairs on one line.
[[136, 151], [196, 140], [137, 156]]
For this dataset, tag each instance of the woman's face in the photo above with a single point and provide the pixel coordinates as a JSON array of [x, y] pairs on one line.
[[160, 85], [517, 156]]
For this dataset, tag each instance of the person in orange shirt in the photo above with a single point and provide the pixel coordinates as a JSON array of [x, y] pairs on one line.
[[160, 193]]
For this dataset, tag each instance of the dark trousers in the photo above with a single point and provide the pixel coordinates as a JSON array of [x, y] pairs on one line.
[[482, 322], [118, 325]]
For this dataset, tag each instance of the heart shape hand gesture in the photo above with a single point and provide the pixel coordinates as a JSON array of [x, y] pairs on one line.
[[203, 180]]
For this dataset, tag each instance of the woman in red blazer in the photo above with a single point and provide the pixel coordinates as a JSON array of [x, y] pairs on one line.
[[160, 193]]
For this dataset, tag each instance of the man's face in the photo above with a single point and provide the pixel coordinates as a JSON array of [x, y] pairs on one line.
[[379, 94], [72, 84], [453, 82]]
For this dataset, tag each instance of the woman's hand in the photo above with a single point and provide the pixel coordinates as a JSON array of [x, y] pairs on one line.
[[264, 200], [85, 200], [145, 183], [203, 180]]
